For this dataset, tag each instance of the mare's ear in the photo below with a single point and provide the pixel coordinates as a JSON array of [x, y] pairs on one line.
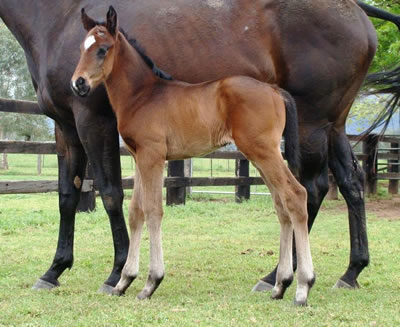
[[112, 21], [88, 23]]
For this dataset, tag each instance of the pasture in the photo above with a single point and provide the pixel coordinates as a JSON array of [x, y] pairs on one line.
[[215, 250]]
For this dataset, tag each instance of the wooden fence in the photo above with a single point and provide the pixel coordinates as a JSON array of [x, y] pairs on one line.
[[380, 160]]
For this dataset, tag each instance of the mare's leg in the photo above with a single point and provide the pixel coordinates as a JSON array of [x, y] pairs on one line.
[[151, 167], [350, 179], [136, 220], [71, 169], [99, 136], [293, 199], [314, 177]]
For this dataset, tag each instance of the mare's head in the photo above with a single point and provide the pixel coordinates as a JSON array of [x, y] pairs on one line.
[[97, 53]]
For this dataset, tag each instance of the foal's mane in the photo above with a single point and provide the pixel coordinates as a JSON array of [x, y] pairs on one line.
[[148, 61]]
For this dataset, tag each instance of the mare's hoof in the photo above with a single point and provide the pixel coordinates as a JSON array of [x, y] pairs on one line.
[[262, 286], [341, 284], [44, 285], [106, 289]]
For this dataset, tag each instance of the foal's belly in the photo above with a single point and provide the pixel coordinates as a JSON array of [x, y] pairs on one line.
[[196, 141], [194, 148]]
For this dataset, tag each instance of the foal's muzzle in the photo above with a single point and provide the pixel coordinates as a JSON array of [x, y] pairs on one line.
[[80, 87]]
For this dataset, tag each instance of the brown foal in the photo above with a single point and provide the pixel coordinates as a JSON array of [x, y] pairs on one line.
[[160, 120]]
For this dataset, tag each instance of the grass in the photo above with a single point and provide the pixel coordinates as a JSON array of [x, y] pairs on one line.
[[215, 250]]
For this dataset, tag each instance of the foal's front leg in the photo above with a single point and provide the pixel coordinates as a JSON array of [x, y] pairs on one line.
[[136, 220], [151, 166]]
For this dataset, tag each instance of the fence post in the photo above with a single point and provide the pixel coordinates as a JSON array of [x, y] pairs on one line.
[[242, 192], [189, 173], [176, 195], [394, 184], [39, 164], [370, 165], [87, 201]]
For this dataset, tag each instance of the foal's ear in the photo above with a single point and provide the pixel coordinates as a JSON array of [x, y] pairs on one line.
[[88, 23], [112, 21]]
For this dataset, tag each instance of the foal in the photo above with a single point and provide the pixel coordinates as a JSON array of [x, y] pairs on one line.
[[167, 120]]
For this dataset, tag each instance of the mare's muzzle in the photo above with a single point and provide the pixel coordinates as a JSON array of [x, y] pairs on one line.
[[80, 87]]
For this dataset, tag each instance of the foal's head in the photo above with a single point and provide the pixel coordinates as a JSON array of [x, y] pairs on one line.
[[97, 53]]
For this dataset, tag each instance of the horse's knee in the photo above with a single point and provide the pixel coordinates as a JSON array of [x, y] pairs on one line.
[[112, 199], [352, 185], [153, 211]]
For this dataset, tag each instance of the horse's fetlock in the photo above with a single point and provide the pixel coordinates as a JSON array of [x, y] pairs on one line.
[[64, 261], [286, 282], [129, 274], [156, 277]]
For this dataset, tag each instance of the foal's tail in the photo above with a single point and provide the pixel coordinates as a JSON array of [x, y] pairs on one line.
[[291, 133]]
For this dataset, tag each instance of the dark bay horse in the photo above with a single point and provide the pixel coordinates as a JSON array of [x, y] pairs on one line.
[[161, 119], [318, 50]]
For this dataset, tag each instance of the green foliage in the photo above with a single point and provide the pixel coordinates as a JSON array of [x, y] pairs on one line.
[[388, 52], [15, 83]]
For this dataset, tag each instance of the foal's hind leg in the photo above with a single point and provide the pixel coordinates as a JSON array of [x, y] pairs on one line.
[[314, 177], [136, 220], [293, 200], [284, 276]]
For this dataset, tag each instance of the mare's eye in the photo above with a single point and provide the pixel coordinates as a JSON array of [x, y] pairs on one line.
[[101, 53]]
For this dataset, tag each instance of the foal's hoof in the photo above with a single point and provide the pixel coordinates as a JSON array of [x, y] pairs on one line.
[[341, 284], [143, 295], [44, 285], [115, 292], [105, 289], [301, 303], [262, 286]]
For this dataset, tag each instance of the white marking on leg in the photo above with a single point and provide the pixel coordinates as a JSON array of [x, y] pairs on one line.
[[89, 42], [285, 265], [156, 251], [136, 220]]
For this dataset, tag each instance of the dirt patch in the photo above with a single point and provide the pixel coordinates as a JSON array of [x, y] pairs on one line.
[[385, 208], [381, 208]]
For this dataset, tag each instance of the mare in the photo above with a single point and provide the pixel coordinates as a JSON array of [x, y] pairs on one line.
[[162, 119], [317, 50]]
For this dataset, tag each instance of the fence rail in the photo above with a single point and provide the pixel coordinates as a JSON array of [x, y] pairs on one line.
[[386, 157]]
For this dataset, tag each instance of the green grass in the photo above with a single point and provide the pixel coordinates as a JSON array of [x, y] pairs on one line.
[[215, 250], [208, 279]]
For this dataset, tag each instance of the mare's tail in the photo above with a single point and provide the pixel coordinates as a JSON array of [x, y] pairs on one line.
[[291, 133]]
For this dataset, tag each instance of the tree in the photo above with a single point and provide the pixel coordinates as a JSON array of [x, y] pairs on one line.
[[388, 52], [15, 83]]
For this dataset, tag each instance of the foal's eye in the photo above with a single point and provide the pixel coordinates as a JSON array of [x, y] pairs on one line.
[[101, 53]]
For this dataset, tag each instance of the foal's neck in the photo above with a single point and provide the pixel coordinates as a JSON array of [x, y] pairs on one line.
[[130, 77]]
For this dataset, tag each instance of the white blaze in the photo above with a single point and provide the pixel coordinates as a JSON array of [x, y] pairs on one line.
[[89, 42]]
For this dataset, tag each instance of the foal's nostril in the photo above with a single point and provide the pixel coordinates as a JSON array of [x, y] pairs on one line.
[[80, 81], [80, 87]]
